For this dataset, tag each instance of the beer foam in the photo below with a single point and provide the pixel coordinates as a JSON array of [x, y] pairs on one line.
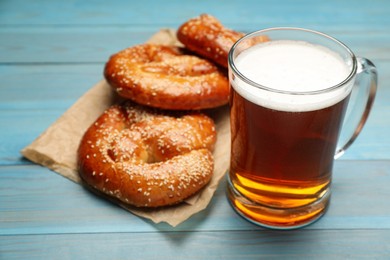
[[294, 66]]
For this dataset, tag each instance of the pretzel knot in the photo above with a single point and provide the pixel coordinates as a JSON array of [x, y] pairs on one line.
[[164, 77], [145, 157]]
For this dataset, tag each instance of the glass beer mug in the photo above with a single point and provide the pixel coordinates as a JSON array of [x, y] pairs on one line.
[[290, 90]]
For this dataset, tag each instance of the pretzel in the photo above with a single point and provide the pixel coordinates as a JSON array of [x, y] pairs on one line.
[[164, 77], [207, 37], [146, 157]]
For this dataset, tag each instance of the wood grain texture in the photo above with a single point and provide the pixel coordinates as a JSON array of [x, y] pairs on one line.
[[308, 244], [330, 13], [34, 200], [52, 52], [25, 44]]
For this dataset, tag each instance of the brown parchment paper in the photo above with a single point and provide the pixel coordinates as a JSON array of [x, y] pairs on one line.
[[56, 148]]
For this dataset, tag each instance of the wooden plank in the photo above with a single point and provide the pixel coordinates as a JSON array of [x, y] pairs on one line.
[[301, 244], [332, 12], [67, 44], [34, 200], [33, 97], [45, 87], [95, 44]]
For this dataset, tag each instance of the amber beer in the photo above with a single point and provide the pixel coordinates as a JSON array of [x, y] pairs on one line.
[[282, 159], [287, 106]]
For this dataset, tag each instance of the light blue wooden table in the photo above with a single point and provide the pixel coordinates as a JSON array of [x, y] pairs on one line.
[[52, 52]]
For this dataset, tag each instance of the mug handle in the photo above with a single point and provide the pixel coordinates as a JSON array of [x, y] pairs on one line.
[[362, 98]]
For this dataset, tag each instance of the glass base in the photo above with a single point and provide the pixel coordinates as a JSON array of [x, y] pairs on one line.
[[277, 218]]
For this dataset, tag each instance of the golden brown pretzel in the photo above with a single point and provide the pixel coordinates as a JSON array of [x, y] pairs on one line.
[[163, 77], [206, 36], [146, 158]]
